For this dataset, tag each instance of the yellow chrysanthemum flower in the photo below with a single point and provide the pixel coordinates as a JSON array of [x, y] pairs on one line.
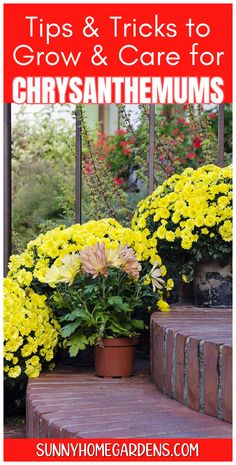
[[169, 284], [185, 278], [170, 236], [226, 231], [163, 306], [14, 372]]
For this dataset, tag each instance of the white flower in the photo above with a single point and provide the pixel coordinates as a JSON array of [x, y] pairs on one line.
[[53, 276], [69, 269], [155, 275], [65, 273]]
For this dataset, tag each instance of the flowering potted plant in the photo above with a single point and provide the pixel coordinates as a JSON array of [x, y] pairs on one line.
[[32, 333], [190, 215], [97, 292]]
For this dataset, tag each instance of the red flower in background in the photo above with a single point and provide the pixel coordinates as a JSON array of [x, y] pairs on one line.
[[88, 168], [120, 132], [118, 181], [212, 115], [123, 143], [197, 141], [101, 138], [190, 156]]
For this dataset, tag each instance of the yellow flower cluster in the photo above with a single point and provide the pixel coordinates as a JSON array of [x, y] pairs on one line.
[[30, 332], [50, 248], [187, 206]]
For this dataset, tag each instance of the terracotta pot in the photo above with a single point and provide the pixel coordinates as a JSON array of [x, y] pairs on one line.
[[116, 358], [213, 285]]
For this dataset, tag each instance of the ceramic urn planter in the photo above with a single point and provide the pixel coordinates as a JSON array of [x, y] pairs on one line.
[[213, 285]]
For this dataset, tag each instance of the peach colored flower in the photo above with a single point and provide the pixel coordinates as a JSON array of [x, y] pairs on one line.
[[94, 260], [129, 262]]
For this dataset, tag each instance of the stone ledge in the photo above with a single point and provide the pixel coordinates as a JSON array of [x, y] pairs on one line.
[[191, 357], [65, 404]]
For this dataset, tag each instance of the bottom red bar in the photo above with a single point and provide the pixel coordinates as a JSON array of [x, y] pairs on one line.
[[118, 450]]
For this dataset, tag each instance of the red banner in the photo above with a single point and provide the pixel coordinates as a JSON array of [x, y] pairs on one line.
[[118, 450], [118, 53]]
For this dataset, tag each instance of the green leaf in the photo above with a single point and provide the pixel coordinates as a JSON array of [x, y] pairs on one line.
[[91, 289], [92, 339], [69, 329], [102, 319], [71, 316], [116, 301], [138, 324], [76, 343], [73, 350], [117, 329]]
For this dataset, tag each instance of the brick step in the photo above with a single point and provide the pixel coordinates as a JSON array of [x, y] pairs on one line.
[[191, 358], [65, 404]]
